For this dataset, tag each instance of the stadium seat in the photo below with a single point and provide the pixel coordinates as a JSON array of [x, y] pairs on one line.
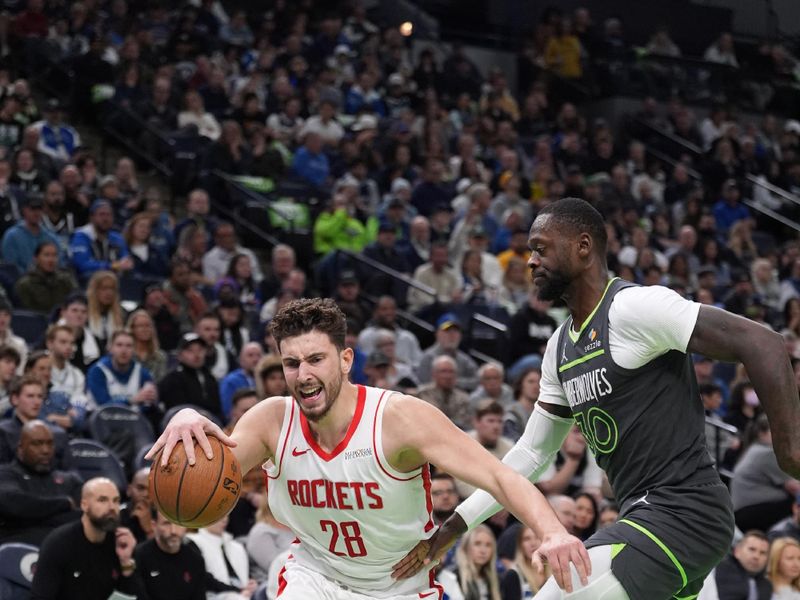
[[17, 565], [171, 413], [115, 423], [93, 459], [29, 324], [140, 462]]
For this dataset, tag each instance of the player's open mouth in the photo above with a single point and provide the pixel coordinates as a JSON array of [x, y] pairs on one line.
[[310, 393]]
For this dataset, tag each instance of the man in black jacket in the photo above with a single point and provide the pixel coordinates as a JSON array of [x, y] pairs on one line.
[[192, 382], [35, 498], [741, 575], [91, 558], [172, 567]]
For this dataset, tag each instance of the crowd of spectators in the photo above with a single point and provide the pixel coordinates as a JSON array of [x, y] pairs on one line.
[[424, 166]]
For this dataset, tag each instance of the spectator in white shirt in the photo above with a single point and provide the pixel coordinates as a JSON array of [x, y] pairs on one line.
[[216, 260]]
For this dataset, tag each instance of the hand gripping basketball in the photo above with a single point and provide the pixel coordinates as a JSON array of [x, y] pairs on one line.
[[184, 426]]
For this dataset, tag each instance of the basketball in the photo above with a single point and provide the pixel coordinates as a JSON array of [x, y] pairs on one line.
[[200, 495]]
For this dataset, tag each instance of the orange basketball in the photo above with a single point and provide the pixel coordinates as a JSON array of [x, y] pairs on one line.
[[200, 495]]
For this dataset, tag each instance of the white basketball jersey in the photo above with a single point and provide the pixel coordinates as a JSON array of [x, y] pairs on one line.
[[353, 514]]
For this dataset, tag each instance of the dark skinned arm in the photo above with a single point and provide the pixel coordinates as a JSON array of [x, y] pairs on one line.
[[727, 337]]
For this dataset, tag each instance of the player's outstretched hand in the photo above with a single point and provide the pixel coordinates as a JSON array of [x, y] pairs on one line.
[[185, 425], [427, 553], [559, 550]]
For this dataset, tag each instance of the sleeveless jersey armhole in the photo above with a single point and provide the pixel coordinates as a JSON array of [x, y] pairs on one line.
[[272, 469], [377, 443]]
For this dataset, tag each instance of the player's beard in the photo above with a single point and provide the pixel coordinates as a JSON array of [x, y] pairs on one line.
[[107, 523], [331, 391], [552, 286]]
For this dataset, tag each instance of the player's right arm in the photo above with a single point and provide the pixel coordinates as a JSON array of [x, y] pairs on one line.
[[252, 440]]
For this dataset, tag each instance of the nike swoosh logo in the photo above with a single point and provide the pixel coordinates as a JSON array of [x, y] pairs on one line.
[[427, 594], [154, 573], [296, 452]]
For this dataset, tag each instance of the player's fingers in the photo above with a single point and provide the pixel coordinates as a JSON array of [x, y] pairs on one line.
[[581, 566], [566, 573], [188, 446], [587, 562], [408, 566], [169, 446], [202, 440], [554, 560], [216, 431], [159, 443], [537, 562]]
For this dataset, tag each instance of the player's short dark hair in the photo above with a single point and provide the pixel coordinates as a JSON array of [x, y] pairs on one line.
[[20, 382], [708, 388], [243, 393], [310, 314], [579, 216]]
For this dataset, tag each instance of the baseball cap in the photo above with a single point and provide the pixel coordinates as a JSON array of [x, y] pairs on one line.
[[348, 276], [447, 321], [190, 338], [378, 359], [400, 183], [386, 226], [365, 121], [99, 203]]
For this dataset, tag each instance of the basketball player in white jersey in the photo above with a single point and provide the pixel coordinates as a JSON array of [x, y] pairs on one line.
[[347, 468]]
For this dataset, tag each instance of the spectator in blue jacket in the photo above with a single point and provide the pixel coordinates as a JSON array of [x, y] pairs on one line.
[[21, 240], [310, 162], [363, 96], [57, 139], [729, 208], [243, 377], [95, 247], [118, 378]]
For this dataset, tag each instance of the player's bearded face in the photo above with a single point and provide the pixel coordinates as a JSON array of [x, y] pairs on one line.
[[106, 520], [315, 396], [553, 285]]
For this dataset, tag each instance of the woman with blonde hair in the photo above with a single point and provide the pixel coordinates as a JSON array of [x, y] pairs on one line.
[[145, 343], [740, 241], [783, 568], [522, 580], [105, 311], [475, 565], [147, 258]]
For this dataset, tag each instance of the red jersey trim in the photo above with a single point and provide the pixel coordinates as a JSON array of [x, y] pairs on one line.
[[283, 449], [434, 585], [282, 580], [375, 444], [426, 485], [362, 396]]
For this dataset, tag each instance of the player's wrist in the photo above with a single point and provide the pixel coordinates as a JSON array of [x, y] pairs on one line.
[[454, 526]]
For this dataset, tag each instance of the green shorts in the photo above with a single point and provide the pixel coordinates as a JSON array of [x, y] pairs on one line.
[[667, 540]]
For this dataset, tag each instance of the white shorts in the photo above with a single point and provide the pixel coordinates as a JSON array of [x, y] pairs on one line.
[[298, 583]]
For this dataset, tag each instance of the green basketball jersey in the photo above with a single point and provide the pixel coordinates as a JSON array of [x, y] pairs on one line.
[[645, 426]]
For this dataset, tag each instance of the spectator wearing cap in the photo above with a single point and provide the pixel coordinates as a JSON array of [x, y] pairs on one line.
[[118, 378], [431, 191], [324, 124], [364, 97], [45, 285], [55, 217], [448, 340], [183, 302], [383, 250], [487, 430], [399, 375], [399, 197], [790, 526], [376, 370], [443, 393], [348, 297], [729, 209], [241, 378], [57, 139], [217, 260], [191, 382], [96, 247], [384, 318], [437, 274], [704, 373], [397, 99], [21, 240], [310, 163], [742, 296], [723, 445]]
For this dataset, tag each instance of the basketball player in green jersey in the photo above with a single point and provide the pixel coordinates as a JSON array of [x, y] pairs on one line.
[[619, 368]]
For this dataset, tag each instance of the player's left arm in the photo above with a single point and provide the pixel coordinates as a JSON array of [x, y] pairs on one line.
[[728, 337], [416, 433]]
